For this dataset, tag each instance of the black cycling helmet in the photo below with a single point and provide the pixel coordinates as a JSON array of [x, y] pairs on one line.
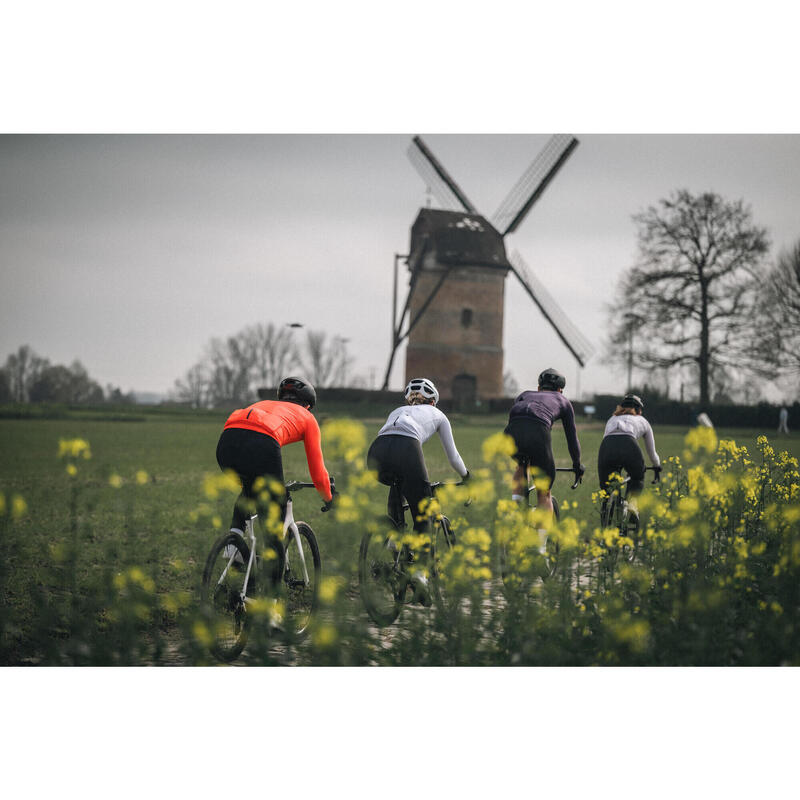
[[295, 390], [632, 401], [552, 379]]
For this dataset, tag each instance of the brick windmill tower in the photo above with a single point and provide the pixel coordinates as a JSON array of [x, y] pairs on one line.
[[456, 294]]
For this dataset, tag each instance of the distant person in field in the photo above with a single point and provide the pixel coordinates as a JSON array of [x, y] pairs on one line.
[[783, 421], [620, 449], [529, 424], [251, 441]]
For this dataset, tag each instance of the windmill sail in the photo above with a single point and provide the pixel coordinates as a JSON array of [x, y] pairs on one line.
[[444, 188], [573, 339], [533, 182]]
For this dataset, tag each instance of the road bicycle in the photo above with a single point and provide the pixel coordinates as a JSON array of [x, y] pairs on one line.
[[510, 551], [238, 582], [388, 567], [615, 512]]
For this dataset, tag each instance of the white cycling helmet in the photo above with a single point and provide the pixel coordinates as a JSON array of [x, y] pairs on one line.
[[424, 387]]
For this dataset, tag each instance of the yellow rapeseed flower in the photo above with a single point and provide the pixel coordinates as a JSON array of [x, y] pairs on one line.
[[345, 439], [72, 470], [324, 636], [74, 448], [142, 477], [115, 481], [499, 447], [18, 506]]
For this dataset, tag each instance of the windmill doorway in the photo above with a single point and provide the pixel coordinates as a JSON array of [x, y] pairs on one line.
[[465, 392]]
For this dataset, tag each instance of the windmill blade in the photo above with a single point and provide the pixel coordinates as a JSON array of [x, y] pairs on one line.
[[444, 188], [575, 341], [533, 182]]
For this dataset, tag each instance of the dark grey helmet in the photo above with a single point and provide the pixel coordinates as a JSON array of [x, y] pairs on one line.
[[552, 379], [296, 390]]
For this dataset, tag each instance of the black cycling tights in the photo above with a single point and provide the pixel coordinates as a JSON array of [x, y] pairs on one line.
[[619, 452], [251, 455], [401, 457]]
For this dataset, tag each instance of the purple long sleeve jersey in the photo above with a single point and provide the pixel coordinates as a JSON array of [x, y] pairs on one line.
[[546, 407]]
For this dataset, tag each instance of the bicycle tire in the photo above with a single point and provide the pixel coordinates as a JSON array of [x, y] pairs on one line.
[[381, 578], [443, 541], [301, 597], [222, 605], [629, 528]]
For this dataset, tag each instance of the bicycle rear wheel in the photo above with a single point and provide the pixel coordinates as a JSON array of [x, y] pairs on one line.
[[381, 577], [301, 576], [223, 596], [629, 528]]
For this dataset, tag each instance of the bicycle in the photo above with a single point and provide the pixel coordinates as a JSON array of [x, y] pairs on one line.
[[508, 572], [385, 562], [231, 591], [616, 513]]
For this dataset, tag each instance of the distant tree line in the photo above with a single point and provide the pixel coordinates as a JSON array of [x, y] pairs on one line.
[[702, 304], [28, 378], [231, 370]]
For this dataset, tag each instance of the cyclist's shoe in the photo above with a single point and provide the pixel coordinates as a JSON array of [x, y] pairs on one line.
[[421, 588]]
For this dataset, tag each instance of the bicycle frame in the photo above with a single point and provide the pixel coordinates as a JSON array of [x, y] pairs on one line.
[[289, 529]]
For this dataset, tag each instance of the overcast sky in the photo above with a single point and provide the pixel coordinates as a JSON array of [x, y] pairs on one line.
[[131, 252]]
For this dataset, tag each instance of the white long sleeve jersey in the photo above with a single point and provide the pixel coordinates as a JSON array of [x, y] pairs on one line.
[[638, 427], [421, 422]]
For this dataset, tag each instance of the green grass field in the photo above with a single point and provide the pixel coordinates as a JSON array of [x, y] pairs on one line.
[[148, 521]]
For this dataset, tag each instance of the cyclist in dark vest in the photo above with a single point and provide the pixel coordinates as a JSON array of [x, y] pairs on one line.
[[529, 424]]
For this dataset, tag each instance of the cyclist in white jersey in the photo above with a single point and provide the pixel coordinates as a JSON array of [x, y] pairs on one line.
[[396, 453], [620, 450]]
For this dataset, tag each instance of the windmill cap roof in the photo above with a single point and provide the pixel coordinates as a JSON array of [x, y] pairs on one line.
[[457, 238]]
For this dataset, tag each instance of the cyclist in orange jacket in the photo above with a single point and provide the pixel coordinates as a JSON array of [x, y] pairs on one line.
[[251, 442]]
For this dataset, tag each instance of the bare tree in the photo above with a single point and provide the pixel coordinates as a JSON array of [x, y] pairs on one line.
[[325, 361], [22, 369], [693, 288], [777, 341], [60, 384], [271, 350], [193, 387], [228, 372], [510, 385]]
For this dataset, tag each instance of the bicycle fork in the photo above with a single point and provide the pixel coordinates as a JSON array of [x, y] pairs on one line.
[[290, 529]]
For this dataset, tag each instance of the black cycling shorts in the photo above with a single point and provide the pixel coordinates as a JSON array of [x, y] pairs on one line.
[[617, 453], [250, 455], [399, 458], [533, 443]]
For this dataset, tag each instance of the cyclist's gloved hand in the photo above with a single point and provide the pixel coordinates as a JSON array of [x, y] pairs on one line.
[[579, 471], [656, 474], [328, 503], [465, 479], [333, 484]]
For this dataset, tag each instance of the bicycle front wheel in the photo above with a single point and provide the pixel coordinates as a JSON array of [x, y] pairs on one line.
[[381, 577], [301, 576], [443, 541], [223, 596]]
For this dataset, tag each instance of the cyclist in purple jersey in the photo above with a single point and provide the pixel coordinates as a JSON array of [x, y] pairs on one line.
[[529, 424]]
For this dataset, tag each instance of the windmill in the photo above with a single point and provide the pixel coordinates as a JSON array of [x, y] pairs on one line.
[[458, 265]]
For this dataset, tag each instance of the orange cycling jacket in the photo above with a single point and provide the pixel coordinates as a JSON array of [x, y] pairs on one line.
[[287, 423]]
